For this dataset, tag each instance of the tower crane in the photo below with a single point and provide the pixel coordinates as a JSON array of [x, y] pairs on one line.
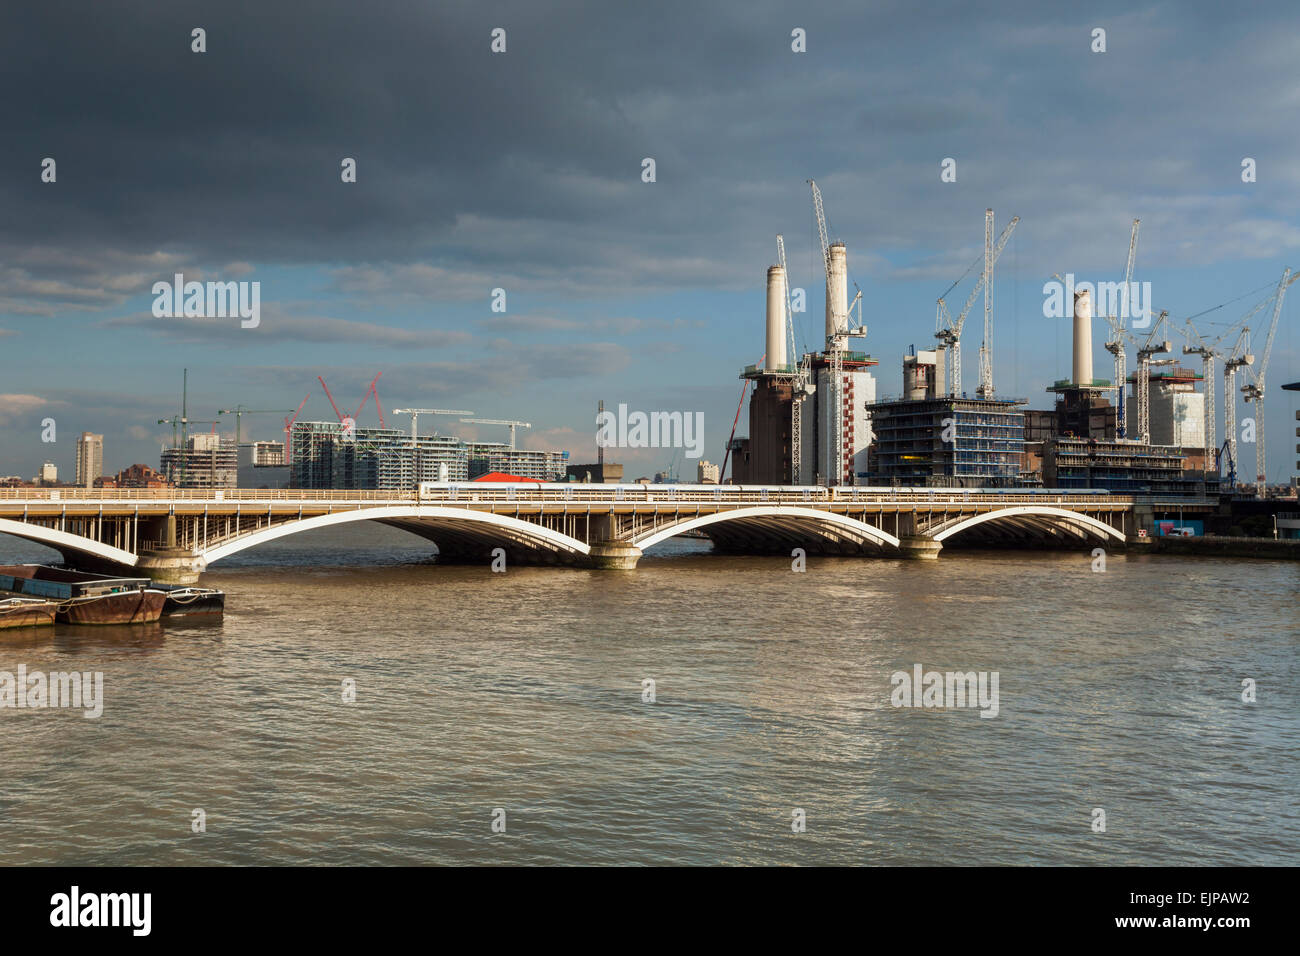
[[370, 390], [1152, 345], [948, 330], [985, 388], [802, 386], [1254, 389], [1196, 345], [288, 429], [415, 414], [1115, 343], [500, 421], [176, 420], [841, 330], [239, 411], [1238, 357], [184, 422]]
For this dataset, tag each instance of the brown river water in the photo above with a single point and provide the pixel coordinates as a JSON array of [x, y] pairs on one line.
[[484, 697]]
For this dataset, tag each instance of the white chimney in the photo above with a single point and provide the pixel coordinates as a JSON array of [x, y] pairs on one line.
[[776, 338], [837, 290], [1082, 338]]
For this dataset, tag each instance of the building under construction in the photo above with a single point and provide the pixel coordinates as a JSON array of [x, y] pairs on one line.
[[1176, 409], [325, 456], [928, 438], [485, 457], [205, 460], [1080, 445], [807, 423]]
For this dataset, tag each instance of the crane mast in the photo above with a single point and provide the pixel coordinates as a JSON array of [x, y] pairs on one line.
[[801, 385], [949, 330], [985, 389], [1239, 357], [510, 423], [1152, 346], [1198, 346], [1254, 390], [1115, 345], [833, 353]]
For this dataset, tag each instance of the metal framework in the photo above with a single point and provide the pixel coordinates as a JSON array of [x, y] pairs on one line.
[[948, 330]]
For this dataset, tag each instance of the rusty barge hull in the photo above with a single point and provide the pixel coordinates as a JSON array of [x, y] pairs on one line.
[[25, 612], [132, 607], [84, 598]]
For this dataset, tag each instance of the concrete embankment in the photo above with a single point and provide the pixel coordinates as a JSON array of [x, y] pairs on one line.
[[1216, 546]]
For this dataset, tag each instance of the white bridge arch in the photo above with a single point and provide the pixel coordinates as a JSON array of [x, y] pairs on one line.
[[1060, 517], [67, 543], [791, 517], [487, 525]]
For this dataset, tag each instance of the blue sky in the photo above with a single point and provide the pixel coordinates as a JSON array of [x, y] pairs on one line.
[[522, 171]]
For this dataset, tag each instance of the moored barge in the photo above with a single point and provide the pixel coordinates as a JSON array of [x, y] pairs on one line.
[[186, 601], [85, 598], [18, 611]]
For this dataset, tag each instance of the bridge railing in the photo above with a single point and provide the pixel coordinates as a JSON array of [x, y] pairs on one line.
[[575, 493], [199, 494]]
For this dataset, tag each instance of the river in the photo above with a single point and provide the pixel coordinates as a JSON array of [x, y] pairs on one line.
[[517, 699]]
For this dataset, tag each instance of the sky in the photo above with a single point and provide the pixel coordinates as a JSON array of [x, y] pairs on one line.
[[522, 171]]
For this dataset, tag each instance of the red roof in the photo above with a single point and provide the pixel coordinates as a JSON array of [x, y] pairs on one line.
[[502, 476]]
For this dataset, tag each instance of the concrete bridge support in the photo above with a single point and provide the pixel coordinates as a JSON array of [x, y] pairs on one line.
[[608, 552], [918, 547], [171, 566], [614, 556]]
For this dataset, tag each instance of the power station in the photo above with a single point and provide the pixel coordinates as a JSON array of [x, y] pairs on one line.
[[817, 421]]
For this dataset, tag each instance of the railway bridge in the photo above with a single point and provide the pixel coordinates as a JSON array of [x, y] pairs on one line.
[[173, 535]]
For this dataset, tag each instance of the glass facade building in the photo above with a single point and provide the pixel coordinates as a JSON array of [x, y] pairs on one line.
[[947, 441]]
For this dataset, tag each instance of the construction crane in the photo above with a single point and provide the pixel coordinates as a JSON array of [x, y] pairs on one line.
[[1226, 452], [1238, 357], [288, 429], [370, 390], [1154, 344], [985, 388], [1116, 343], [500, 421], [415, 414], [239, 411], [802, 386], [1254, 389], [177, 420], [842, 329], [184, 423], [1196, 345], [947, 329]]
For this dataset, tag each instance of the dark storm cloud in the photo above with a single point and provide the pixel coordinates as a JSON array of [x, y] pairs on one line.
[[526, 165], [276, 327]]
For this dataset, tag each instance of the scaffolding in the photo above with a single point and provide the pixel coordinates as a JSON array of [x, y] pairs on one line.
[[947, 441]]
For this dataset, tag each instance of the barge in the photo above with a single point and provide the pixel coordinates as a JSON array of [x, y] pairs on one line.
[[84, 598], [185, 601], [18, 611]]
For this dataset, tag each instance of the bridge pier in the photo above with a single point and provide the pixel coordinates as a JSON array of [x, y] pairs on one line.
[[614, 556], [171, 566], [918, 547]]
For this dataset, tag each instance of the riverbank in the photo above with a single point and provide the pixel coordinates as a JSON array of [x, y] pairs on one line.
[[1223, 547]]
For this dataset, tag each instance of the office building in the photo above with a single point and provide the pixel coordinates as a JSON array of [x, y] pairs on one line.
[[90, 459]]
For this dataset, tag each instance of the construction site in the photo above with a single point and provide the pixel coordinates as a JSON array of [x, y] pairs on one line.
[[342, 455], [815, 419]]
